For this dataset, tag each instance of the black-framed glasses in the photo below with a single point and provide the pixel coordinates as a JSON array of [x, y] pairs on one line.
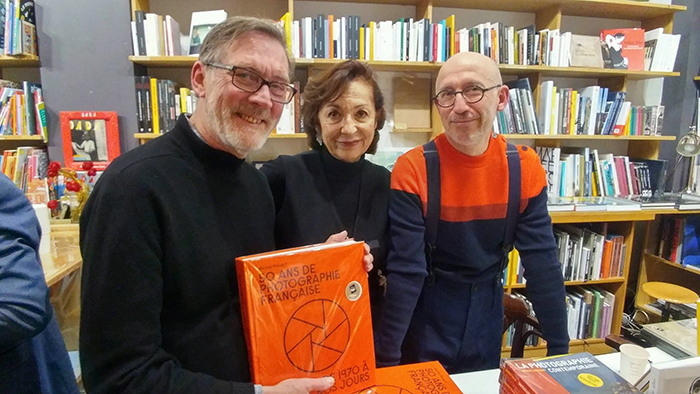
[[472, 95], [250, 81]]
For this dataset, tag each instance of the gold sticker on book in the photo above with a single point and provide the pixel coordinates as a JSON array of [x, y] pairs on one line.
[[590, 380], [353, 291]]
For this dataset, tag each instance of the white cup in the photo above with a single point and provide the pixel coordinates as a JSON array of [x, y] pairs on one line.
[[634, 361]]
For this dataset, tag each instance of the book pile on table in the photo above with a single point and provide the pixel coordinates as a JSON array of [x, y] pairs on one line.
[[571, 373]]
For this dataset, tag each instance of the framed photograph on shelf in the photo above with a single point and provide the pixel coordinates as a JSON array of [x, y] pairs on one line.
[[89, 136]]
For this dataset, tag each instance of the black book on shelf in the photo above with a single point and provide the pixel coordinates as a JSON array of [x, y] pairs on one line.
[[657, 175]]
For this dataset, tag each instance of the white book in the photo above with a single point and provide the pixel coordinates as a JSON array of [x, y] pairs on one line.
[[173, 36], [295, 39], [412, 41], [202, 23], [546, 90], [652, 37], [511, 45], [150, 30], [671, 52], [134, 39], [308, 38]]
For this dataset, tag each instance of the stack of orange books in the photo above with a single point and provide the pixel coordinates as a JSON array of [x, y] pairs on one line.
[[429, 377], [306, 313]]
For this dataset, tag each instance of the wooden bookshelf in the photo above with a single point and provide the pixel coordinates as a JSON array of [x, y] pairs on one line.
[[19, 61], [577, 283], [577, 72], [548, 15], [21, 138], [600, 217]]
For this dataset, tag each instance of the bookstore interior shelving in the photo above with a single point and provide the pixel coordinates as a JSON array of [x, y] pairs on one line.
[[548, 15]]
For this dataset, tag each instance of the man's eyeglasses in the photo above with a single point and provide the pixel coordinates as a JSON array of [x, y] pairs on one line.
[[250, 81], [472, 95]]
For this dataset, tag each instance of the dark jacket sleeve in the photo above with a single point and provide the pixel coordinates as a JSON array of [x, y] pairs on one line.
[[276, 178], [25, 309], [406, 267], [122, 294], [545, 285]]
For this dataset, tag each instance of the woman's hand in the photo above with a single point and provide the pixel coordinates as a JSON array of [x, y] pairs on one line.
[[343, 236]]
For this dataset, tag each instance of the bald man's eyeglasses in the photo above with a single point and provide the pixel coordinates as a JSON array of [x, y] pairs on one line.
[[472, 95]]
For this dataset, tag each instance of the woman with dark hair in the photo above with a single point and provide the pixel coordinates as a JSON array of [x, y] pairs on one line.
[[332, 188]]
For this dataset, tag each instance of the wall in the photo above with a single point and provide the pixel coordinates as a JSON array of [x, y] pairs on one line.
[[84, 48]]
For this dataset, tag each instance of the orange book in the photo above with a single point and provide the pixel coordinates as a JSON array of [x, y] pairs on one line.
[[607, 259], [306, 313], [428, 377]]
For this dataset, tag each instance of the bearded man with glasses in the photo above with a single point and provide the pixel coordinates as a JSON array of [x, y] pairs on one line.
[[163, 226], [453, 219]]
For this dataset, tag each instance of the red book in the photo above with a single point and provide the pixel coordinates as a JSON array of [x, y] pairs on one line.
[[623, 48]]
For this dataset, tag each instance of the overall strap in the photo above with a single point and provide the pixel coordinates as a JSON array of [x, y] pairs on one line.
[[513, 210], [432, 164]]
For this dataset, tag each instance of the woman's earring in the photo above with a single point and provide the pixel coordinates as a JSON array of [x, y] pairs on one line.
[[319, 139]]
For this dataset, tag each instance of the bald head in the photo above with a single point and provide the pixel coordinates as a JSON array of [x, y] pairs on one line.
[[470, 62]]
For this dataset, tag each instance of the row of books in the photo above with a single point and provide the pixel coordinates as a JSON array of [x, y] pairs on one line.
[[519, 115], [595, 110], [589, 312], [22, 109], [583, 172], [585, 255], [24, 164], [159, 35], [678, 241], [159, 103], [290, 121], [327, 37], [17, 19]]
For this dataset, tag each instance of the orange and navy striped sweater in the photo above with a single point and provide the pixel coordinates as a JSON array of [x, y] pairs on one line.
[[474, 199]]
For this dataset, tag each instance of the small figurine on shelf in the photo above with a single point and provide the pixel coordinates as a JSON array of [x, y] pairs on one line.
[[76, 189]]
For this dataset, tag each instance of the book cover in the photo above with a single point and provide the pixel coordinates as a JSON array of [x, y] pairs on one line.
[[585, 51], [202, 23], [675, 377], [572, 373], [306, 313], [623, 48], [428, 377]]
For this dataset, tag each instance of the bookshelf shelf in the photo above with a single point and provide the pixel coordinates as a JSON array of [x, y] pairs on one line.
[[21, 138], [600, 217], [580, 283], [672, 264], [19, 61], [580, 72], [621, 9], [589, 137]]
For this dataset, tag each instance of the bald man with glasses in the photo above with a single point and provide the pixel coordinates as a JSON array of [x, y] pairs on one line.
[[454, 217]]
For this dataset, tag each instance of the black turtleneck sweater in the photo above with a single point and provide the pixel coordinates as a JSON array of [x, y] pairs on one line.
[[344, 184], [159, 236], [317, 195]]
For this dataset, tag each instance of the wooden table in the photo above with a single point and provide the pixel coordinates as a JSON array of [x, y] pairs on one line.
[[65, 255]]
